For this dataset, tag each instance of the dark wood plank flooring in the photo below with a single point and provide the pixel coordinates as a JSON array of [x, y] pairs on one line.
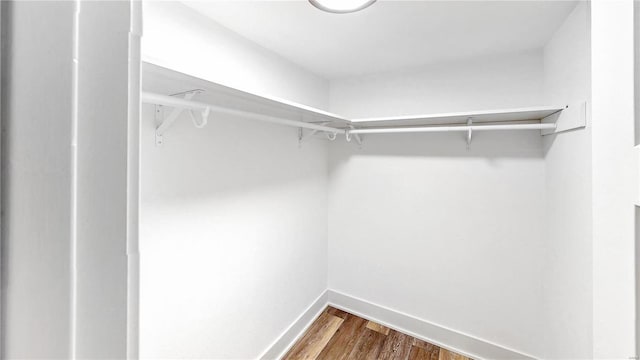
[[338, 335]]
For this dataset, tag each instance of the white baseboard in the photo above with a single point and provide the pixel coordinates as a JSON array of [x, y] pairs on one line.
[[289, 337], [438, 335]]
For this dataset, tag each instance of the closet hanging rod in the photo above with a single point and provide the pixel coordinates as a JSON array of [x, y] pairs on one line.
[[437, 128], [157, 99]]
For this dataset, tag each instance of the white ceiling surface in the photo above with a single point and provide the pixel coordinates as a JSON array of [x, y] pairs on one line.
[[389, 35]]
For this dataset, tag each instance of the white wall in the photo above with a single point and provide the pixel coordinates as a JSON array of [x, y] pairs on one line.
[[102, 168], [399, 203], [133, 183], [636, 94], [568, 251], [560, 74], [421, 225], [615, 179], [65, 129], [181, 39], [233, 237], [36, 176], [233, 220], [495, 82]]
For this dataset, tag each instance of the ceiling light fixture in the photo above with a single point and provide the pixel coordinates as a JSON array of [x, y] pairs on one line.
[[341, 6]]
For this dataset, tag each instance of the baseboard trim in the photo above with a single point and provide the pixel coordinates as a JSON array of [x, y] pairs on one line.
[[285, 341], [438, 335]]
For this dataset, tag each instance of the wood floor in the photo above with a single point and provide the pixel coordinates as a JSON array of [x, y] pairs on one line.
[[337, 335]]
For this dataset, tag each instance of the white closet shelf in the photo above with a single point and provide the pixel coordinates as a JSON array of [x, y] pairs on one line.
[[227, 96], [217, 98], [485, 116], [530, 118], [179, 103]]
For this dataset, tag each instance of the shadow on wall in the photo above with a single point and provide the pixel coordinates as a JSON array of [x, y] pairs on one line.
[[549, 140], [228, 156], [488, 146], [232, 155]]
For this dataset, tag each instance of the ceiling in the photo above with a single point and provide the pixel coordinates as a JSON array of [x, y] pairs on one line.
[[390, 34]]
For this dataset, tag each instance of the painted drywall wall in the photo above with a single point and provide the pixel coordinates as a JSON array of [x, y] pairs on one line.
[[179, 38], [102, 167], [494, 82], [567, 285], [459, 87], [233, 244], [615, 179], [636, 91], [233, 236], [133, 182], [2, 50], [421, 225], [37, 174], [566, 241], [65, 166]]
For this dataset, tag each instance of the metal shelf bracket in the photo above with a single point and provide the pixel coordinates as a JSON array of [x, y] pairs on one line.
[[165, 123], [312, 132]]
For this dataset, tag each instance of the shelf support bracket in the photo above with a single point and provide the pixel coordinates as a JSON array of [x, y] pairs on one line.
[[158, 120], [165, 124], [348, 135], [301, 135], [573, 116]]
